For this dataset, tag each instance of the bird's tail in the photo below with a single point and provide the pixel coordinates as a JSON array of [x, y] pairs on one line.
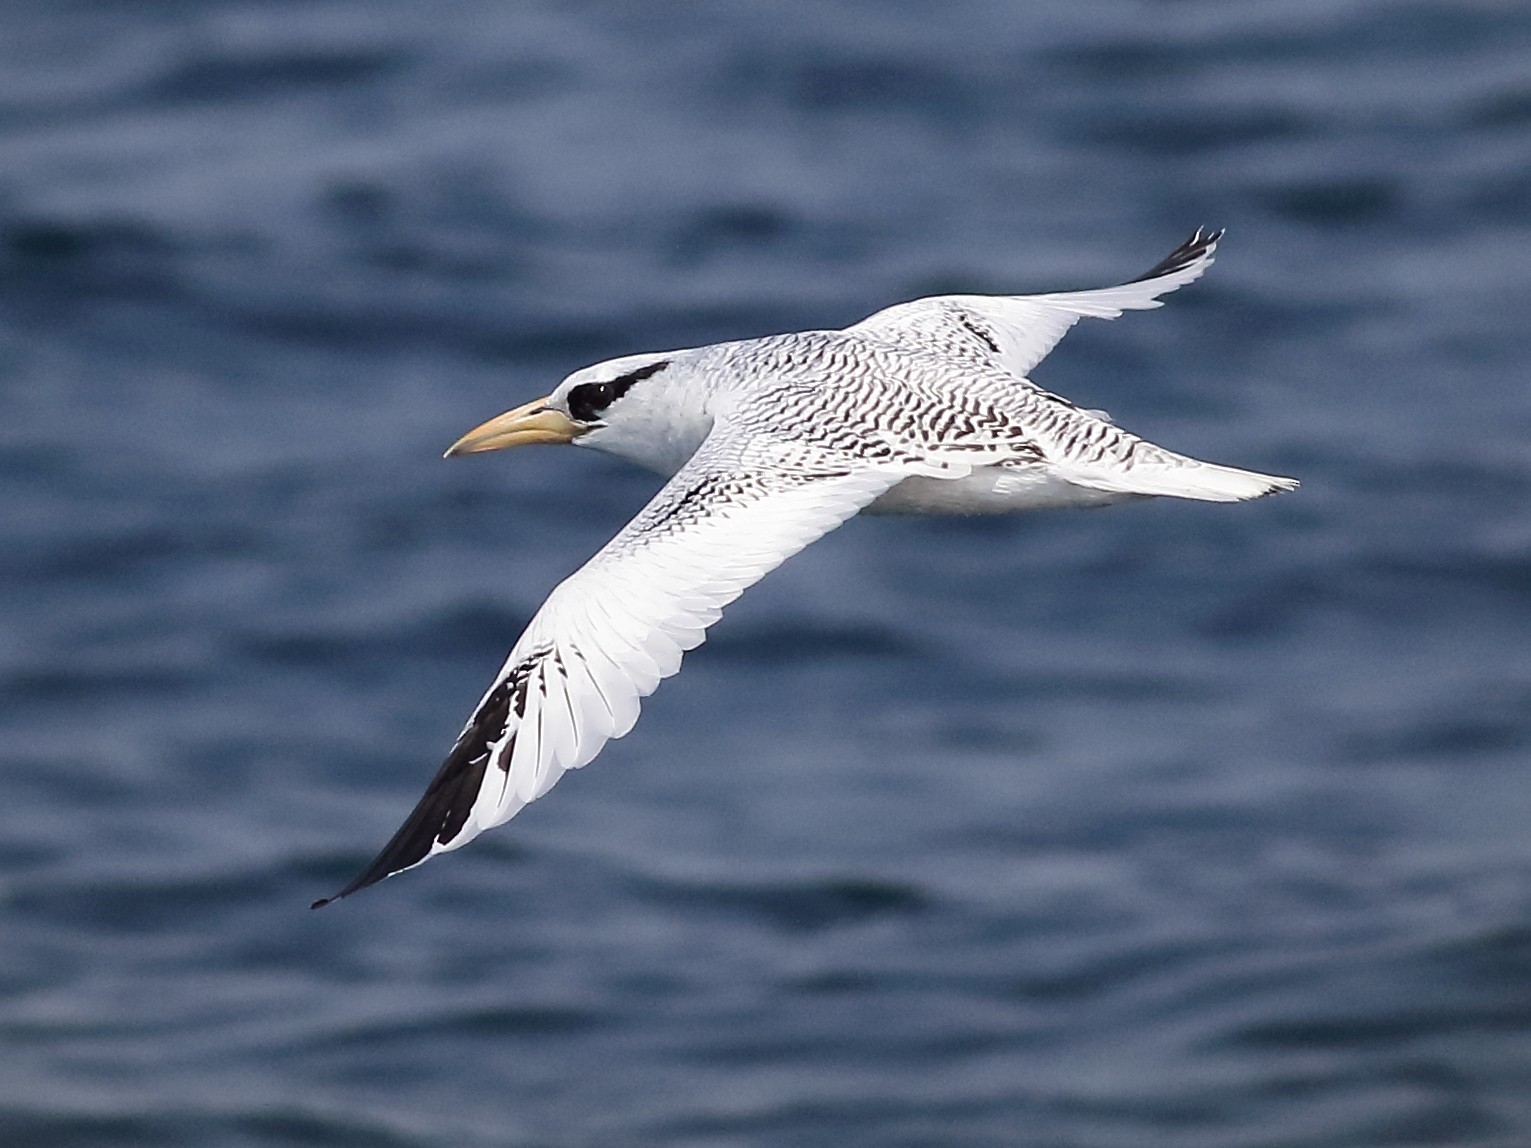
[[1154, 470]]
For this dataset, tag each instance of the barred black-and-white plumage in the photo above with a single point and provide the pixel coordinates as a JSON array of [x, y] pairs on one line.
[[922, 408]]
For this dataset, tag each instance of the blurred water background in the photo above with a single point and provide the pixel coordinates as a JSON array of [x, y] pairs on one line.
[[1172, 825]]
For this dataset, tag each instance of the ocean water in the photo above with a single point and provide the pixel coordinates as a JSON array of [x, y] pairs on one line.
[[1167, 826]]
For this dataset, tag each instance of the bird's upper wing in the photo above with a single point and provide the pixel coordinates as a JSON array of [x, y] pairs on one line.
[[609, 633], [1015, 332]]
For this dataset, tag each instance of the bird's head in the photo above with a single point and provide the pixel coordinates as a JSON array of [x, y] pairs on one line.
[[587, 407]]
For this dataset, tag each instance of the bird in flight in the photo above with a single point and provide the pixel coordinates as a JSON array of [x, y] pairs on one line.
[[922, 408]]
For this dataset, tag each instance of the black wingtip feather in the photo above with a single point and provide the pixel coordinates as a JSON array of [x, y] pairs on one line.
[[442, 812], [456, 784], [1200, 242], [411, 844]]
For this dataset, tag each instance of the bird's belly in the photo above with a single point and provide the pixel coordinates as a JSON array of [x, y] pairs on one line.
[[991, 490]]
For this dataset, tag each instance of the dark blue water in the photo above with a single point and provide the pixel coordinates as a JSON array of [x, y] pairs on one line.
[[1172, 825]]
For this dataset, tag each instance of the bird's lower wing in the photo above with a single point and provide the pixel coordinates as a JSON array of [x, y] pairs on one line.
[[1016, 332], [613, 630]]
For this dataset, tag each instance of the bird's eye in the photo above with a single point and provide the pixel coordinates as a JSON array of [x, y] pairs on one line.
[[588, 400]]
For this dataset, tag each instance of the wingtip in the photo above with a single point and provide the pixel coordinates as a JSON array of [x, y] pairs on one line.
[[1203, 237], [1200, 246], [375, 872], [442, 812], [346, 892], [1268, 485], [379, 870]]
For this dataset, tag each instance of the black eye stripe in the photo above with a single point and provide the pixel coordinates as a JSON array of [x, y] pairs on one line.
[[588, 400]]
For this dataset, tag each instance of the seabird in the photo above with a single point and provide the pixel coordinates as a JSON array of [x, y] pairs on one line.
[[922, 408]]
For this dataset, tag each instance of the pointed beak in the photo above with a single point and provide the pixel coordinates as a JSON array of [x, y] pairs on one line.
[[534, 422]]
